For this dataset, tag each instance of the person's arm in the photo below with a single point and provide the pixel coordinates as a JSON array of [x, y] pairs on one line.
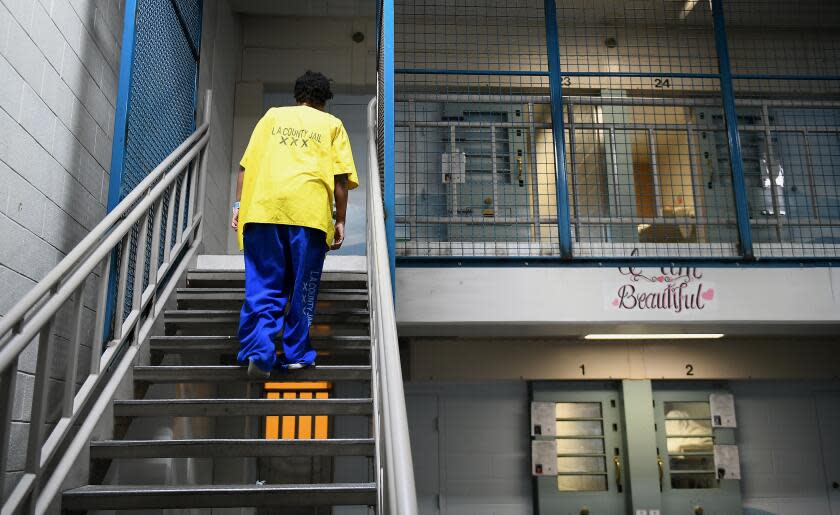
[[341, 195], [234, 222]]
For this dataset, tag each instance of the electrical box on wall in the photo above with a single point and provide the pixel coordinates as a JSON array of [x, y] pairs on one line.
[[453, 167], [544, 457], [543, 419]]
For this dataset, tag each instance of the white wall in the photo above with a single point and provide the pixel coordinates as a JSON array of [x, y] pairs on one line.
[[59, 67], [220, 55], [556, 300], [277, 49]]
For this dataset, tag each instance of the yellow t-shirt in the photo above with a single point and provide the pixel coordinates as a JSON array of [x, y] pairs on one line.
[[290, 166]]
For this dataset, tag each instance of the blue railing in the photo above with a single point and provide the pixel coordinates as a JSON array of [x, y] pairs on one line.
[[531, 130]]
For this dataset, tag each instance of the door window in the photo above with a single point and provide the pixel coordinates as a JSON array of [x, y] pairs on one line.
[[690, 444], [581, 461]]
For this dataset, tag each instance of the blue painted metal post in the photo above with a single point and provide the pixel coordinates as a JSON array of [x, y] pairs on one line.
[[564, 227], [123, 98], [390, 193], [118, 147], [735, 158]]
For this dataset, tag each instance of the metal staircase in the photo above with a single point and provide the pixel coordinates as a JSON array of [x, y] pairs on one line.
[[177, 327], [204, 326]]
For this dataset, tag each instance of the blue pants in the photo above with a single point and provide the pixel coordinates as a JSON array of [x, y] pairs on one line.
[[283, 266]]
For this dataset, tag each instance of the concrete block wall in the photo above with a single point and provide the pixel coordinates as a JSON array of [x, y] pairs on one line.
[[783, 448], [276, 50], [220, 58], [482, 447], [59, 66]]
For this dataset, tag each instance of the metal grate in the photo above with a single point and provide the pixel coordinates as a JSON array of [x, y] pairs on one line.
[[645, 100], [474, 152], [786, 65], [161, 113]]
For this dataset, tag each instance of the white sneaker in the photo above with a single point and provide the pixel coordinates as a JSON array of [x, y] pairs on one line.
[[298, 366]]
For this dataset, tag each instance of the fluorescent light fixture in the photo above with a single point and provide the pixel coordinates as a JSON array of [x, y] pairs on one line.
[[657, 336]]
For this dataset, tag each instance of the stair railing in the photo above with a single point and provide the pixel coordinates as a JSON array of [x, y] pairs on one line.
[[67, 312], [394, 469]]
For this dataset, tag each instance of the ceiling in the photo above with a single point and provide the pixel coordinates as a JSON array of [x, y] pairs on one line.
[[740, 13], [330, 8]]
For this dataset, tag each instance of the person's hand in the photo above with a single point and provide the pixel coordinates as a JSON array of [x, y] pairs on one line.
[[234, 221], [338, 239]]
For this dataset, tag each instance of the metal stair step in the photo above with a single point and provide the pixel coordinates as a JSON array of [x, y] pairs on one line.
[[206, 317], [219, 298], [222, 373], [230, 344], [114, 497], [240, 407], [228, 448], [236, 278]]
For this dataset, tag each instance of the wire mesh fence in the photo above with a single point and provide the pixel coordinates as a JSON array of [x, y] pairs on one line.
[[786, 69], [161, 111], [646, 152]]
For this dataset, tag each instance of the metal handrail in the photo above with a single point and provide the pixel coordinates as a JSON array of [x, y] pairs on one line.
[[178, 180], [394, 469]]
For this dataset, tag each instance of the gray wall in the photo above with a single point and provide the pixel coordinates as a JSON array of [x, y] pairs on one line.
[[59, 67], [220, 56], [476, 455], [783, 439]]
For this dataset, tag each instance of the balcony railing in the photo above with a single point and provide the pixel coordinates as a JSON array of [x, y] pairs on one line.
[[530, 129]]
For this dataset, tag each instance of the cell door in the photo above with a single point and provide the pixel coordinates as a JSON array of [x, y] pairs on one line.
[[686, 443], [590, 450], [828, 412], [491, 175]]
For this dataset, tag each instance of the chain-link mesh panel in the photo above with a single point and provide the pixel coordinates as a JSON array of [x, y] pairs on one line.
[[473, 129], [786, 65], [641, 87], [161, 112], [648, 157]]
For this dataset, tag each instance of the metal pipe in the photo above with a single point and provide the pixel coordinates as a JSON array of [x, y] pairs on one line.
[[696, 188], [494, 169], [119, 308], [771, 164], [657, 189], [734, 139], [400, 475], [809, 171], [16, 344], [535, 176], [473, 124], [75, 344], [37, 421], [453, 185], [412, 168], [573, 162], [89, 242], [475, 98], [8, 381], [101, 308]]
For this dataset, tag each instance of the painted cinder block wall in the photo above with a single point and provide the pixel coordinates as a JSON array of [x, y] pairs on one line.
[[59, 68]]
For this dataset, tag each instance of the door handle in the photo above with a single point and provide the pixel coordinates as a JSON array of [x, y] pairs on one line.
[[661, 465], [617, 463]]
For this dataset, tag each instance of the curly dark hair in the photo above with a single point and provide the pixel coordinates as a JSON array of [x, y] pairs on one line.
[[313, 88]]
